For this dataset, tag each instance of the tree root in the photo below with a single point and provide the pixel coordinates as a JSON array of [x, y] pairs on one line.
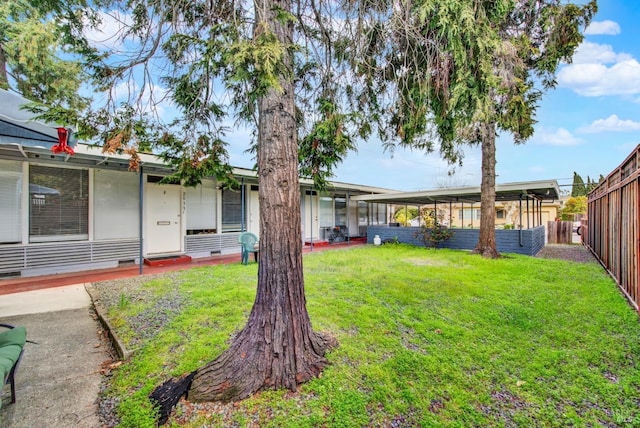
[[247, 367], [489, 252]]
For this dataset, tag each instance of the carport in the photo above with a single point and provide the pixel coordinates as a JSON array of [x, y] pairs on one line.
[[530, 195]]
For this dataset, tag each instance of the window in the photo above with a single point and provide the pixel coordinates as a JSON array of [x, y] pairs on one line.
[[500, 213], [59, 203], [201, 208], [363, 213], [231, 211], [326, 211], [11, 197], [341, 211], [469, 214], [377, 214], [116, 205]]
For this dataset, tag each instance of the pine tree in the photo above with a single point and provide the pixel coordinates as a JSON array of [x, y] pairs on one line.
[[578, 188]]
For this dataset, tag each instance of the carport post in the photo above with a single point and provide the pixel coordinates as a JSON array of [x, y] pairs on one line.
[[242, 205], [140, 219], [349, 218]]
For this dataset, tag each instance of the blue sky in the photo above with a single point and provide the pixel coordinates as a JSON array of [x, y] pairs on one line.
[[588, 124]]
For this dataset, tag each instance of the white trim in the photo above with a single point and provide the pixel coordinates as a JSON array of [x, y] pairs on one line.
[[26, 203], [91, 219]]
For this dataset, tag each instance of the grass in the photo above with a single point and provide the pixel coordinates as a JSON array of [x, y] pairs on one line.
[[427, 338]]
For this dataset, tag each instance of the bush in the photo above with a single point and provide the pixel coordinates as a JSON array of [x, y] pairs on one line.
[[434, 235]]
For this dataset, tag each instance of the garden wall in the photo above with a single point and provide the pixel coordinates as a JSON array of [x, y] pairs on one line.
[[526, 241]]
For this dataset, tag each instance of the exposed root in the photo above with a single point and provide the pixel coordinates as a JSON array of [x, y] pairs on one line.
[[489, 252], [167, 395], [250, 366]]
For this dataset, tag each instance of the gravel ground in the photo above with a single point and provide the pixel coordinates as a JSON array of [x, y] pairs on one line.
[[575, 253], [130, 291]]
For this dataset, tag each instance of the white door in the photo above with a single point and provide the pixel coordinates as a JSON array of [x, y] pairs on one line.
[[254, 212], [163, 219], [311, 212]]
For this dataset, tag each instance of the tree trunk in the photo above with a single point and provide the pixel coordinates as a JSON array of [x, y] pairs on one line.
[[487, 243], [277, 348]]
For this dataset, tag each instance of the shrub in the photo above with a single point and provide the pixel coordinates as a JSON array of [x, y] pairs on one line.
[[434, 235]]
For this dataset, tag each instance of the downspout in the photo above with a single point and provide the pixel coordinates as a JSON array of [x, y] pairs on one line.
[[520, 214], [140, 219], [462, 215]]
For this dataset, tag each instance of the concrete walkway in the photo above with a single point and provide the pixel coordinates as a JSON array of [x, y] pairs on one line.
[[58, 380]]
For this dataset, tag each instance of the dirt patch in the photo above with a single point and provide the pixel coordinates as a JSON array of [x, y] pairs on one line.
[[575, 253]]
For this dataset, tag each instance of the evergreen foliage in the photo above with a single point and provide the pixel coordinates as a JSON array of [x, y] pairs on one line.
[[40, 56], [578, 187]]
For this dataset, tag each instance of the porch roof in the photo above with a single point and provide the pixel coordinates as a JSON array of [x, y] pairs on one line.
[[18, 125], [543, 190]]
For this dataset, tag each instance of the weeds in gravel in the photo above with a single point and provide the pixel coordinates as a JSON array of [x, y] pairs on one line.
[[427, 338]]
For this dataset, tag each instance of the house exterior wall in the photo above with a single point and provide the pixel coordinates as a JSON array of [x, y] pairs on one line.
[[524, 241], [112, 216]]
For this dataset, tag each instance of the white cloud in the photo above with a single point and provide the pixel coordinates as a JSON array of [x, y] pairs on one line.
[[593, 80], [606, 27], [559, 137], [590, 53], [611, 124], [107, 35]]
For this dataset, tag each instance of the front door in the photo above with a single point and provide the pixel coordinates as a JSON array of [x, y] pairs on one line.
[[163, 218]]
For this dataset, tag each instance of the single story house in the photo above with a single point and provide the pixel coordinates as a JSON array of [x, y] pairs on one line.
[[81, 209], [70, 207]]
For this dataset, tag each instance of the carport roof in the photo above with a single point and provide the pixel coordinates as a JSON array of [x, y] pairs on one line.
[[544, 190]]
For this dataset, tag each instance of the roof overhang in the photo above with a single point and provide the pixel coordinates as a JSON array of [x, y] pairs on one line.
[[544, 190]]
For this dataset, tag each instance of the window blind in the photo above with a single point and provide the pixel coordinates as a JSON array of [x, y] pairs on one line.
[[231, 211], [201, 206], [58, 203], [116, 204]]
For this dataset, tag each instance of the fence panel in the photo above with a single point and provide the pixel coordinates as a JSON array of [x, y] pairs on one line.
[[613, 233], [559, 232]]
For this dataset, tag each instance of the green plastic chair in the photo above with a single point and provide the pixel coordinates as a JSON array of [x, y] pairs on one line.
[[248, 241]]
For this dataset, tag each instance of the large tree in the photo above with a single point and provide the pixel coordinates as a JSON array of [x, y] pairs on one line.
[[578, 187], [268, 63], [493, 61]]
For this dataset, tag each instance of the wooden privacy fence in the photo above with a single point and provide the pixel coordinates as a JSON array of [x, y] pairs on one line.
[[613, 232], [559, 232]]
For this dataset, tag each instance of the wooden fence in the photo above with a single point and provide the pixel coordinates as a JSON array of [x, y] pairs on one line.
[[613, 225], [559, 232]]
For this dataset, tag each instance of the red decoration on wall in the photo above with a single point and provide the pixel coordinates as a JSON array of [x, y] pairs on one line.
[[62, 147]]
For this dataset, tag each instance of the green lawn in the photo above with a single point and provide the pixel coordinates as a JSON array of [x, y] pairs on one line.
[[427, 338]]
